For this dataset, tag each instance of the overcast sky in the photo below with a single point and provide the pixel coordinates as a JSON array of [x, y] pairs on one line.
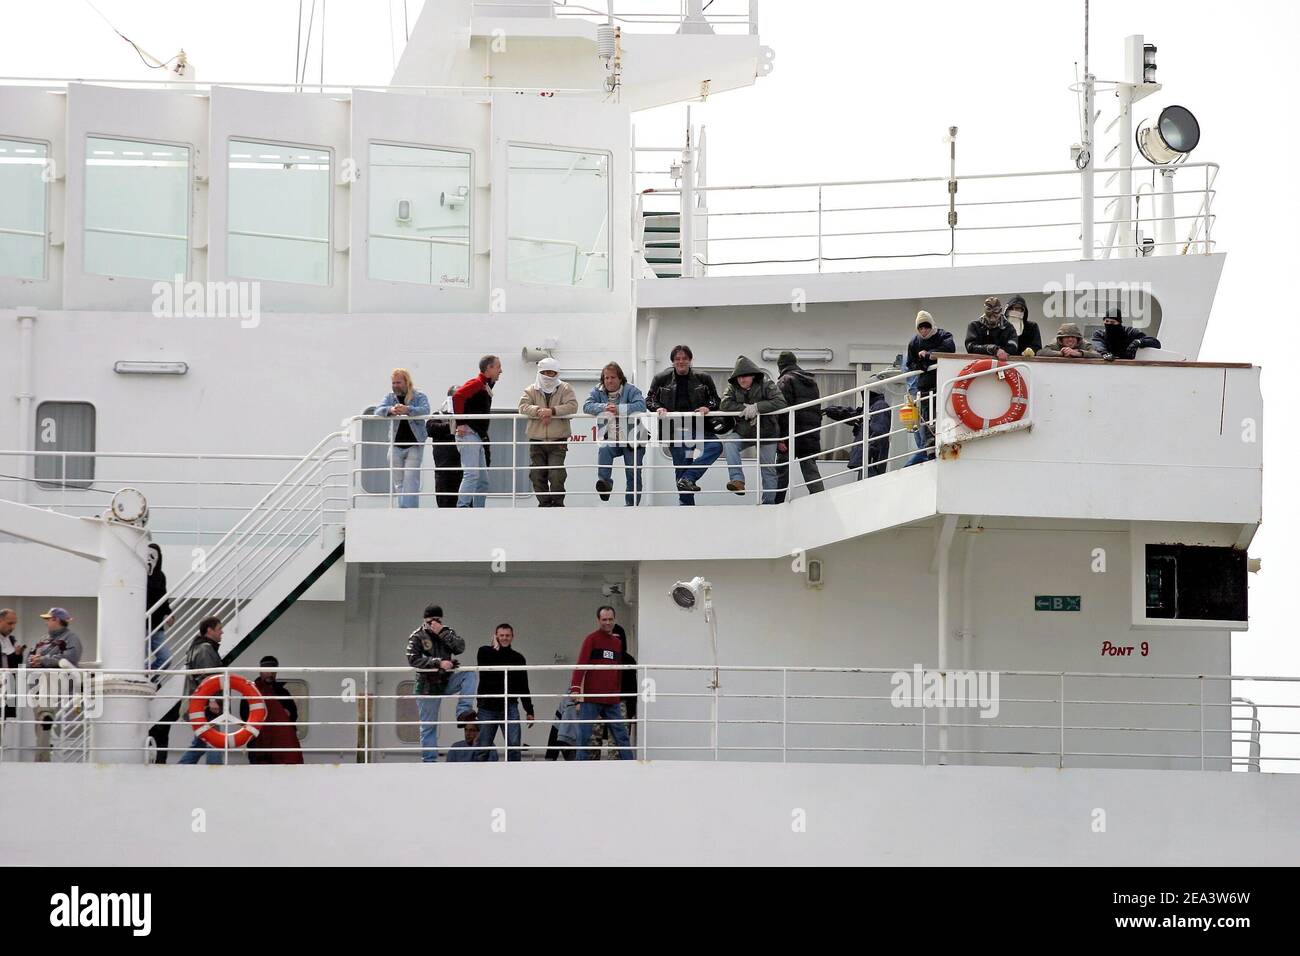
[[867, 90]]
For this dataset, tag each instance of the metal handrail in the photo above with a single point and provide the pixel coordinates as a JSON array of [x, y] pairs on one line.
[[678, 714], [696, 252]]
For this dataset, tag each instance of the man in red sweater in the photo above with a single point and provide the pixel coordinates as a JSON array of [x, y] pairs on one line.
[[475, 398], [596, 691]]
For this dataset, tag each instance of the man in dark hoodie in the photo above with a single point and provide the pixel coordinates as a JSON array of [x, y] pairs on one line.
[[991, 334], [1028, 335], [922, 351], [798, 387], [1115, 340], [878, 420], [752, 392]]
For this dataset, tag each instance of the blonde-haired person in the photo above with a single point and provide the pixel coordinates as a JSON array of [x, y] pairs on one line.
[[401, 404]]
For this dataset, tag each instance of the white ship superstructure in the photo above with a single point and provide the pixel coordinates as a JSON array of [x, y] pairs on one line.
[[203, 289]]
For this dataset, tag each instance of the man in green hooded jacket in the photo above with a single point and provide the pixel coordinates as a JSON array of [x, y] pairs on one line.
[[751, 391]]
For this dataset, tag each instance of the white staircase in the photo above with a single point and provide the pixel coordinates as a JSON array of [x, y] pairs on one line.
[[273, 554]]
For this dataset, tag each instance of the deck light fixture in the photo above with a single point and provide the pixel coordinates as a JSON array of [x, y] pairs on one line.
[[1170, 138], [688, 594]]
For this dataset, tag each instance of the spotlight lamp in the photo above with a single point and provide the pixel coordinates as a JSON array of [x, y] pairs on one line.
[[687, 594], [1170, 137]]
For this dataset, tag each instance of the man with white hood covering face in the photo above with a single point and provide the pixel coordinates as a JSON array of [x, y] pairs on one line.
[[547, 404]]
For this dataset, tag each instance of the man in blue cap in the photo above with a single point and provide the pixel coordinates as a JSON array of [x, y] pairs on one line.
[[59, 644]]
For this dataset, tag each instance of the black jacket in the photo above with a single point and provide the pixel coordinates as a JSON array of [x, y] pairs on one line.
[[492, 684], [880, 418], [424, 651], [798, 387], [981, 339], [940, 341], [1029, 337], [155, 589], [701, 391], [1122, 341]]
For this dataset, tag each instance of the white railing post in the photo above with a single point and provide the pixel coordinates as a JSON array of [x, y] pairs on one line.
[[819, 228], [686, 216], [1060, 762], [785, 707], [1200, 681]]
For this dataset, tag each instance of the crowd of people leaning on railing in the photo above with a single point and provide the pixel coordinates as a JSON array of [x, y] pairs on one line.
[[489, 697], [752, 407]]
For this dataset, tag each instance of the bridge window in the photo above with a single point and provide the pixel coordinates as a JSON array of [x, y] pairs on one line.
[[558, 217], [137, 209], [1195, 582], [22, 208], [278, 213], [65, 427], [419, 217]]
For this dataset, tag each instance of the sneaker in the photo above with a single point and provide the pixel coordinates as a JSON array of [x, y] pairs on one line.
[[604, 488], [685, 484], [737, 486]]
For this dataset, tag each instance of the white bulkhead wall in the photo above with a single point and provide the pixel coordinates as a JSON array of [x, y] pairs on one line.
[[525, 45]]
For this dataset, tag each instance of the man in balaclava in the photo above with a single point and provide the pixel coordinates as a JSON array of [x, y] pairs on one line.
[[547, 404], [1028, 335], [991, 334], [1115, 340]]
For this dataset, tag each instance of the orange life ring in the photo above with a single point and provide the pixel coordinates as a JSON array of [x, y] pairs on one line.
[[210, 735], [961, 403]]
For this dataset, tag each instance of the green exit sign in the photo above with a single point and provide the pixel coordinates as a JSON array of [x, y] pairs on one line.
[[1058, 602]]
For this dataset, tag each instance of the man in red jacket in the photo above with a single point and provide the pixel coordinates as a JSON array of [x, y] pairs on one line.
[[597, 691]]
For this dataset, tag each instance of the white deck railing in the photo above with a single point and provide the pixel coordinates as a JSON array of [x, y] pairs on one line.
[[652, 437], [773, 713], [896, 223]]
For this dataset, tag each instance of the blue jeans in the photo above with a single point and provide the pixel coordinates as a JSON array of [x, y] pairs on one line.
[[924, 434], [193, 755], [404, 464], [612, 715], [462, 683], [728, 445], [605, 456], [490, 720], [473, 463], [159, 655], [771, 475]]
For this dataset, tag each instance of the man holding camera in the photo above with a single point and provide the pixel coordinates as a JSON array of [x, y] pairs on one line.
[[431, 650]]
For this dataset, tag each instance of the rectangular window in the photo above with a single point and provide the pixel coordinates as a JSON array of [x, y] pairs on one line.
[[558, 217], [1195, 582], [408, 713], [65, 427], [278, 212], [419, 217], [22, 208], [137, 209]]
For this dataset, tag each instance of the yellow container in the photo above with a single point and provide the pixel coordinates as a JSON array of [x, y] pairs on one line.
[[909, 414]]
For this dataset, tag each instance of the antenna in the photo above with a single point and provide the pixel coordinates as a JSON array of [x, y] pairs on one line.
[[1085, 157]]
